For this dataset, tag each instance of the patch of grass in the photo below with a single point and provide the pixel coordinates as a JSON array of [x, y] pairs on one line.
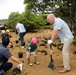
[[74, 41]]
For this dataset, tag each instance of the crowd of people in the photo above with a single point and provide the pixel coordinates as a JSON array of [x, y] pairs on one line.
[[60, 29]]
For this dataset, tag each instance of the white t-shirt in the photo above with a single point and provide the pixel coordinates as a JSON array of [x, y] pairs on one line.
[[20, 27], [64, 32]]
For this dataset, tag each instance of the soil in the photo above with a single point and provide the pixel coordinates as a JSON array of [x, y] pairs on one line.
[[43, 55]]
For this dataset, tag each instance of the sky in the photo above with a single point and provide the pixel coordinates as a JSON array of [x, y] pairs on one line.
[[8, 6]]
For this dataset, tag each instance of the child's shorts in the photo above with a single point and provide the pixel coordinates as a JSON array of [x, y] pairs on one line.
[[32, 53]]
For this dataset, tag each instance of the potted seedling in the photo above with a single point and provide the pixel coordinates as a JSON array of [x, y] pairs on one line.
[[16, 41], [16, 71], [20, 54]]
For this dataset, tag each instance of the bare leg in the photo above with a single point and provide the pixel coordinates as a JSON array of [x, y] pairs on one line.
[[28, 60], [35, 58]]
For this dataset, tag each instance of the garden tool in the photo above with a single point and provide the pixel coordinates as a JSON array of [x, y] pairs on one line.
[[51, 65]]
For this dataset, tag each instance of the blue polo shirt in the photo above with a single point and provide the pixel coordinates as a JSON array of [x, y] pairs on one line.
[[4, 53], [64, 31]]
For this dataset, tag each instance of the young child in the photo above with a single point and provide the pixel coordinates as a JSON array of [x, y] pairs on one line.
[[5, 34], [31, 49]]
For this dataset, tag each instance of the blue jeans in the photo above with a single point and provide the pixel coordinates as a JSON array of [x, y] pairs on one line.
[[22, 38]]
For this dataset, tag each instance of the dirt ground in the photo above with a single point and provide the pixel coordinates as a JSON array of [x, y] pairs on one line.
[[43, 58]]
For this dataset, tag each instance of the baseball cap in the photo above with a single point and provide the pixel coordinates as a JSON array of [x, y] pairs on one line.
[[7, 30], [34, 40], [3, 31]]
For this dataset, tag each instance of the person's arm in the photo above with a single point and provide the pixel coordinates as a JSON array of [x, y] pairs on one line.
[[54, 35], [17, 29], [15, 59], [29, 47]]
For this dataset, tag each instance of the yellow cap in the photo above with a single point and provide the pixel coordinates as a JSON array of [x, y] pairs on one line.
[[8, 30], [3, 31]]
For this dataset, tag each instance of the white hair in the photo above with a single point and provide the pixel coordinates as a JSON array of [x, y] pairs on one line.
[[51, 16]]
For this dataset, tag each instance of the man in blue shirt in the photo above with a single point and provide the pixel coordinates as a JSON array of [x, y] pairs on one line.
[[61, 29], [21, 31]]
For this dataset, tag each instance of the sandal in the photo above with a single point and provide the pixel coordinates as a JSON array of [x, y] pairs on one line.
[[64, 71], [36, 63]]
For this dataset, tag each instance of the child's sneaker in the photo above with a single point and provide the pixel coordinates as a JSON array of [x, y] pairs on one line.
[[22, 46], [30, 64], [36, 63]]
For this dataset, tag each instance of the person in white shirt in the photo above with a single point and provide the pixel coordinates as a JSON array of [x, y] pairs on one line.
[[21, 31], [62, 30]]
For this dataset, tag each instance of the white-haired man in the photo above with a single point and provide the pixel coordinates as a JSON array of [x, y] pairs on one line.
[[61, 29]]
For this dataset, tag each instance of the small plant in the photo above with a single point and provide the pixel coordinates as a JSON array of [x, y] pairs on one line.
[[16, 71]]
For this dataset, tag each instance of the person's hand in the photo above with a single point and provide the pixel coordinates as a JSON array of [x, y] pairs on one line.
[[20, 66], [49, 42]]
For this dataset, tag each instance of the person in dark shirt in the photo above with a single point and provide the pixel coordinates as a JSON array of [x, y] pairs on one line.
[[5, 55]]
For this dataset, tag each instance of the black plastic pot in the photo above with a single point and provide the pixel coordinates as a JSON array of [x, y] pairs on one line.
[[24, 44], [20, 54], [16, 41], [16, 71]]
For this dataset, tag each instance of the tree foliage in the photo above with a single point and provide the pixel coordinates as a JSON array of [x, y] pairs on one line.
[[34, 21], [13, 17], [3, 20], [31, 21], [36, 11], [62, 8]]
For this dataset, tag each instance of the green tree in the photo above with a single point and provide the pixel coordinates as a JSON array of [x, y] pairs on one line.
[[13, 17], [62, 8], [34, 21]]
